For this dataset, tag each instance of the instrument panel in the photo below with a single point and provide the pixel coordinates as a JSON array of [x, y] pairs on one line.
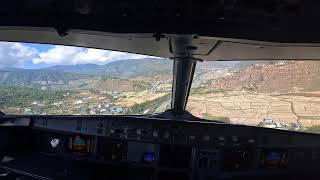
[[192, 149], [193, 133]]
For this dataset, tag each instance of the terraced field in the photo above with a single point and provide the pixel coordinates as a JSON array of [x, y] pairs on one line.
[[242, 107]]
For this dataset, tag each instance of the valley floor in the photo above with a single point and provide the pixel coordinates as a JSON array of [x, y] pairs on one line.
[[243, 107]]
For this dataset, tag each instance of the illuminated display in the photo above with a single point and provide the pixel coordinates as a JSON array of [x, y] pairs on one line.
[[149, 157], [79, 144], [274, 159]]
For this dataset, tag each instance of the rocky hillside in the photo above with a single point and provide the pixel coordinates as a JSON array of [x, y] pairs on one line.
[[298, 76]]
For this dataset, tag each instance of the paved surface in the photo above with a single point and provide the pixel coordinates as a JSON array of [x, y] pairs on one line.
[[132, 98]]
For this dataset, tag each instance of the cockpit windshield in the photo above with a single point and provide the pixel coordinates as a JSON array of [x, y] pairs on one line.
[[38, 79], [274, 94]]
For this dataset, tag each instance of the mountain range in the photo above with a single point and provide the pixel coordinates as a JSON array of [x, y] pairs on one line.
[[64, 74], [123, 69], [82, 75]]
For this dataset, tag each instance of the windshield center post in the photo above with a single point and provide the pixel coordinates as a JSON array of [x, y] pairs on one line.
[[183, 71]]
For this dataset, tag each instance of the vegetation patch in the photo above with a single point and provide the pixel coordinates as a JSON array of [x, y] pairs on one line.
[[249, 88], [310, 117], [313, 129], [21, 96], [208, 116], [206, 91]]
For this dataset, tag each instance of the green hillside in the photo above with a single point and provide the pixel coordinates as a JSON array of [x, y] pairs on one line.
[[21, 96]]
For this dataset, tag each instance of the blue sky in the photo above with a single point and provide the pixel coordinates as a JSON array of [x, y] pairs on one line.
[[34, 56]]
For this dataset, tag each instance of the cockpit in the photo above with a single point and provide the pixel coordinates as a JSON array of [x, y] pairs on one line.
[[159, 90]]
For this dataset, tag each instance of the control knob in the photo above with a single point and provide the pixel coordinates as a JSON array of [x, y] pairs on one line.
[[139, 132], [206, 138], [166, 134], [192, 137], [155, 134]]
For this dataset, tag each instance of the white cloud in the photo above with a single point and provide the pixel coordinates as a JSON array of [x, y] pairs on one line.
[[57, 55], [77, 55], [13, 54]]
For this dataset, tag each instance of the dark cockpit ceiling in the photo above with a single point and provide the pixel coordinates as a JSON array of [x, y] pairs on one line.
[[207, 30], [268, 20]]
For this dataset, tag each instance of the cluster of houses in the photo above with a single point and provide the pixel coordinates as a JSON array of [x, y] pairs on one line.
[[102, 106], [270, 123], [87, 104], [107, 109], [160, 86]]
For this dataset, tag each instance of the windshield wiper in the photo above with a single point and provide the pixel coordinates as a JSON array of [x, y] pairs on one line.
[[2, 113]]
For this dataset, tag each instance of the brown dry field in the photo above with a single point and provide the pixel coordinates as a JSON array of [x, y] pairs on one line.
[[248, 108]]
